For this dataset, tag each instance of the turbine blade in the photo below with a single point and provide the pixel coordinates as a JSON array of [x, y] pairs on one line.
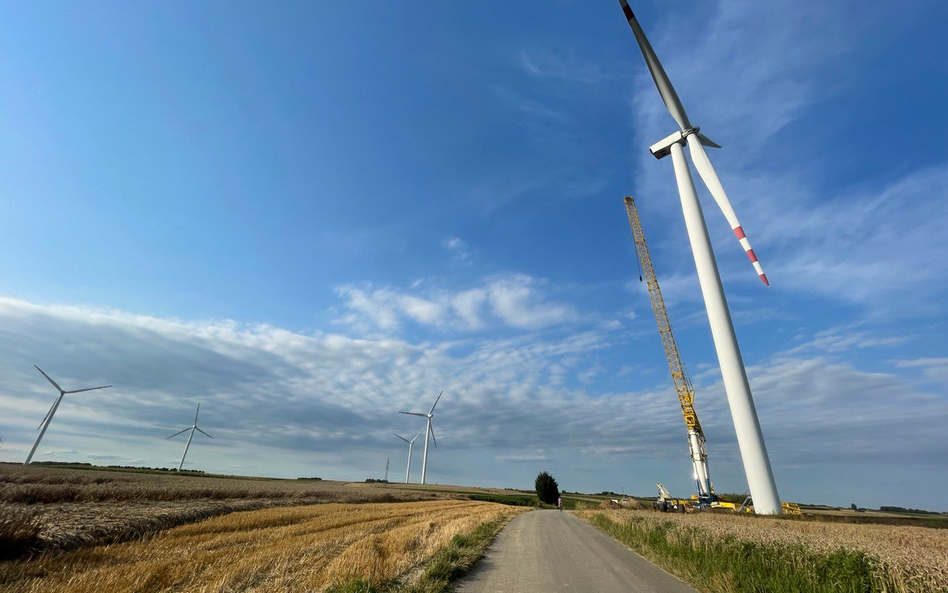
[[415, 414], [402, 438], [87, 389], [204, 433], [665, 88], [707, 141], [433, 437], [431, 411], [196, 415], [710, 178], [48, 412], [48, 378], [179, 432], [417, 435]]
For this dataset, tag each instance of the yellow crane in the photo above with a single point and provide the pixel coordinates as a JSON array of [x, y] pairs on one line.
[[686, 393]]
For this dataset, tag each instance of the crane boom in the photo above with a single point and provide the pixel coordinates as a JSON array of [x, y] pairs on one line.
[[686, 393]]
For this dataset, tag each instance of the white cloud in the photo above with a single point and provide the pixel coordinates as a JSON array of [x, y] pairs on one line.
[[287, 403], [559, 68], [933, 369], [510, 300], [460, 249], [516, 301], [842, 339]]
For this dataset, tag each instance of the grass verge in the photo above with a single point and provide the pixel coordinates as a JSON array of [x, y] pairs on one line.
[[444, 569], [730, 565]]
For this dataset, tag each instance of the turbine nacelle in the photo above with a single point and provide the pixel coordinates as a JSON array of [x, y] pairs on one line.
[[663, 147]]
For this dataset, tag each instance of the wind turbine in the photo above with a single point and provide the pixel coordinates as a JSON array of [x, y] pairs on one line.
[[760, 476], [411, 443], [192, 428], [52, 411], [428, 431]]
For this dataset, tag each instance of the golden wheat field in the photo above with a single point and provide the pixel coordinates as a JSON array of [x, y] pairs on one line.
[[61, 508], [277, 549], [914, 558]]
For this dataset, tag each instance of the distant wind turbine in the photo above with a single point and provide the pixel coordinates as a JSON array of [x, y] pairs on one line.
[[52, 411], [192, 428], [411, 443], [428, 431]]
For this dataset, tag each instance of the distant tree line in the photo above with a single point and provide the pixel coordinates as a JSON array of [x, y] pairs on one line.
[[890, 509]]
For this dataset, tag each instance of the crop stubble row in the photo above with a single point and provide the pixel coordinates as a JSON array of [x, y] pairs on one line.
[[276, 549]]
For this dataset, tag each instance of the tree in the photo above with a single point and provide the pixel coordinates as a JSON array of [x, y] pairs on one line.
[[547, 488]]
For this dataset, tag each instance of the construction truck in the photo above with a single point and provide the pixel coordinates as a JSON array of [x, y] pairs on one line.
[[788, 508], [667, 503]]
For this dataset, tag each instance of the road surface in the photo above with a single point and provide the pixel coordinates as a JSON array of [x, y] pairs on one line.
[[546, 551]]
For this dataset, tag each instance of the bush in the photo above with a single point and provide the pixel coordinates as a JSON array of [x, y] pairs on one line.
[[547, 488]]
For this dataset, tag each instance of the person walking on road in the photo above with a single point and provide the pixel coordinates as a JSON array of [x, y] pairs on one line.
[[559, 503]]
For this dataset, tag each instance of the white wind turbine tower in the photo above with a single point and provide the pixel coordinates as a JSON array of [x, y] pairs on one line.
[[52, 411], [192, 428], [760, 476], [411, 444], [428, 431]]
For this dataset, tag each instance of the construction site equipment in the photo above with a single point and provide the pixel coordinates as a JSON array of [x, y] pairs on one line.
[[686, 393], [668, 503]]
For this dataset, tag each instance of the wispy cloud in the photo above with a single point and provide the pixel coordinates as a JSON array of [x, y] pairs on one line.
[[843, 339], [562, 68], [330, 401], [510, 300], [933, 369], [459, 249]]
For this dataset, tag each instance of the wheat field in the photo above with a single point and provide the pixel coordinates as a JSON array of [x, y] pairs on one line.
[[904, 559], [50, 508], [277, 549]]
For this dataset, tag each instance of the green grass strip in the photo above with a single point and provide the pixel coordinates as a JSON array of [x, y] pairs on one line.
[[732, 566], [444, 568]]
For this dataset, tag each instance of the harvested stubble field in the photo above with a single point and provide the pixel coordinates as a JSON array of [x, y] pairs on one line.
[[717, 553], [305, 548], [44, 508]]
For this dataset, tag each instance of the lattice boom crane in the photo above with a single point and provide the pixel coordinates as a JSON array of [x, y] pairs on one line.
[[686, 393]]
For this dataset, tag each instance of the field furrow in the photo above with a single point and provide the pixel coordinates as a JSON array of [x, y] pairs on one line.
[[277, 549]]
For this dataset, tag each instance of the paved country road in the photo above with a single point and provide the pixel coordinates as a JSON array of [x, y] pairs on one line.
[[544, 551]]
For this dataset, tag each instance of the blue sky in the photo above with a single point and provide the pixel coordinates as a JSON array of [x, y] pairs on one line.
[[310, 217]]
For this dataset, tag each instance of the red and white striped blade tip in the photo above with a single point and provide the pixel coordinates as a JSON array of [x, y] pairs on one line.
[[742, 238]]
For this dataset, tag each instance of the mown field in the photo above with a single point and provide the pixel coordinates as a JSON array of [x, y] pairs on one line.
[[308, 548], [48, 508], [737, 554]]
